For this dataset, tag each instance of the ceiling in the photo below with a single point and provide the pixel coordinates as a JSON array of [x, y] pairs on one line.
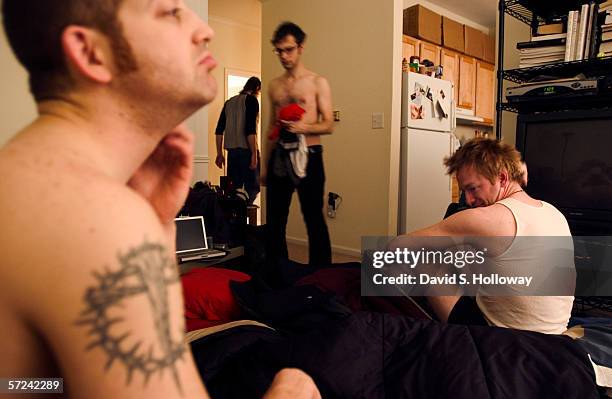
[[482, 12]]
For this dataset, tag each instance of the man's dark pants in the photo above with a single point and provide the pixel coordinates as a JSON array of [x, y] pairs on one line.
[[238, 162], [311, 190]]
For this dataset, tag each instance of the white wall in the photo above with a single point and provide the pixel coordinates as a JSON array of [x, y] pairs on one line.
[[515, 31], [356, 45], [236, 46], [17, 108], [198, 122]]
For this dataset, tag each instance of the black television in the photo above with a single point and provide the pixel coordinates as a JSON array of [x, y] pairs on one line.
[[569, 159]]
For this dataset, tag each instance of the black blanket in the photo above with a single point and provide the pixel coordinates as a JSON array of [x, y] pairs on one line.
[[371, 355]]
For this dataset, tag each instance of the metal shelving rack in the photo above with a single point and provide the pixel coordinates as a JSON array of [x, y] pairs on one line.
[[535, 13]]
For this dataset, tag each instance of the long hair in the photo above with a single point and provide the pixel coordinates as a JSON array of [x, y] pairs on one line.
[[252, 85]]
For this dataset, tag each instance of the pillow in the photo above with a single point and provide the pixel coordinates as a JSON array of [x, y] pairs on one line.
[[208, 298]]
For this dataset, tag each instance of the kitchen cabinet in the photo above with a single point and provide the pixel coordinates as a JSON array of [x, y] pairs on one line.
[[450, 64], [485, 91], [429, 52], [467, 82], [473, 80], [410, 47]]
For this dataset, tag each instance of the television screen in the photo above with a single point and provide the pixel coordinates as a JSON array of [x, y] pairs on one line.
[[570, 162]]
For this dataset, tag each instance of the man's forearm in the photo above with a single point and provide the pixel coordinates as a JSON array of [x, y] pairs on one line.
[[323, 127], [219, 140], [252, 142]]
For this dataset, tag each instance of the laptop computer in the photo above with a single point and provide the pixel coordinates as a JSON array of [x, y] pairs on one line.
[[191, 241]]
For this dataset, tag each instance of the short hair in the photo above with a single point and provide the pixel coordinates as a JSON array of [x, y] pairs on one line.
[[288, 28], [252, 85], [34, 29], [488, 157]]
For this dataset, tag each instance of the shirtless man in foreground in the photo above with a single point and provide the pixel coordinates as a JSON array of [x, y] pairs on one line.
[[88, 193], [312, 93]]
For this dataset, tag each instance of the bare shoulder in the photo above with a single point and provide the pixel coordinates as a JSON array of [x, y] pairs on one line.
[[494, 220], [62, 216], [322, 86], [313, 78], [87, 263], [275, 83], [276, 89], [320, 80], [69, 226]]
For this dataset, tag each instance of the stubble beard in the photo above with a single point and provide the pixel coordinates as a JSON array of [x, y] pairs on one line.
[[149, 91]]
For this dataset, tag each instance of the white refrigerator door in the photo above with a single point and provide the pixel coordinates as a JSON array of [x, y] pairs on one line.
[[427, 103], [425, 189]]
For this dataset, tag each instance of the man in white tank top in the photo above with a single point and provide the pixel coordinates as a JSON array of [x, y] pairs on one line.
[[490, 174]]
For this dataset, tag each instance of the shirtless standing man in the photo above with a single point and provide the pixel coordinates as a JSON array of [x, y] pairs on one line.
[[312, 93], [89, 289]]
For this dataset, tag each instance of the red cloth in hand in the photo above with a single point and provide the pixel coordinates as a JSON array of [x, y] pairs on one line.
[[292, 113]]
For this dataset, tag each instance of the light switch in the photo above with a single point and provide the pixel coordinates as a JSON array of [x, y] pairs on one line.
[[336, 116], [378, 120]]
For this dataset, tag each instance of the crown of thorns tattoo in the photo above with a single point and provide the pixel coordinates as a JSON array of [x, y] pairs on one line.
[[145, 270]]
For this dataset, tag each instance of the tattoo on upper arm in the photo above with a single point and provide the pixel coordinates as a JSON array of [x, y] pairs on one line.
[[145, 272]]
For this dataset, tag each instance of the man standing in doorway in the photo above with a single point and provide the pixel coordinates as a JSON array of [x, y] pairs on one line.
[[238, 123], [302, 112]]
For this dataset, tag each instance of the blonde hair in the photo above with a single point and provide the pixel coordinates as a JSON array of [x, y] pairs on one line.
[[488, 157]]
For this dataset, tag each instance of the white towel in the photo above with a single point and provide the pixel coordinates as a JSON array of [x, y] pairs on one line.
[[299, 157]]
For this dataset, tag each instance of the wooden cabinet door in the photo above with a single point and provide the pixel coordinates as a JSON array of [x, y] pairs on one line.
[[485, 91], [467, 82], [430, 52], [410, 47], [450, 64]]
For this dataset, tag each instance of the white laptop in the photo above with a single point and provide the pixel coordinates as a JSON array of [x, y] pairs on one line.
[[191, 241]]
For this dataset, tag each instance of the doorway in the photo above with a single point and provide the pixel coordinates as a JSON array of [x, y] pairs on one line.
[[235, 80]]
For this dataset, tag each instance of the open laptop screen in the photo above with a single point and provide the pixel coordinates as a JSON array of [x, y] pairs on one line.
[[190, 234]]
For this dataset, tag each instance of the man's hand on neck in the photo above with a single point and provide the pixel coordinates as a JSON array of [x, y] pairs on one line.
[[165, 176]]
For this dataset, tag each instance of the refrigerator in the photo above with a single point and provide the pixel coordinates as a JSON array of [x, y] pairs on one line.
[[428, 121]]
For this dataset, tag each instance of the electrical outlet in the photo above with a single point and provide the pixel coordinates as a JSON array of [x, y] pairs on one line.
[[378, 120]]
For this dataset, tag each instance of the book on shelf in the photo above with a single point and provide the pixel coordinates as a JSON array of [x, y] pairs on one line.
[[570, 46], [539, 38], [541, 43], [605, 47], [542, 50], [592, 18], [537, 56], [544, 57], [538, 62], [588, 34], [606, 5], [582, 31]]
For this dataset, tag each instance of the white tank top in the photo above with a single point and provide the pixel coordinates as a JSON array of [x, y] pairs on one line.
[[545, 314]]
